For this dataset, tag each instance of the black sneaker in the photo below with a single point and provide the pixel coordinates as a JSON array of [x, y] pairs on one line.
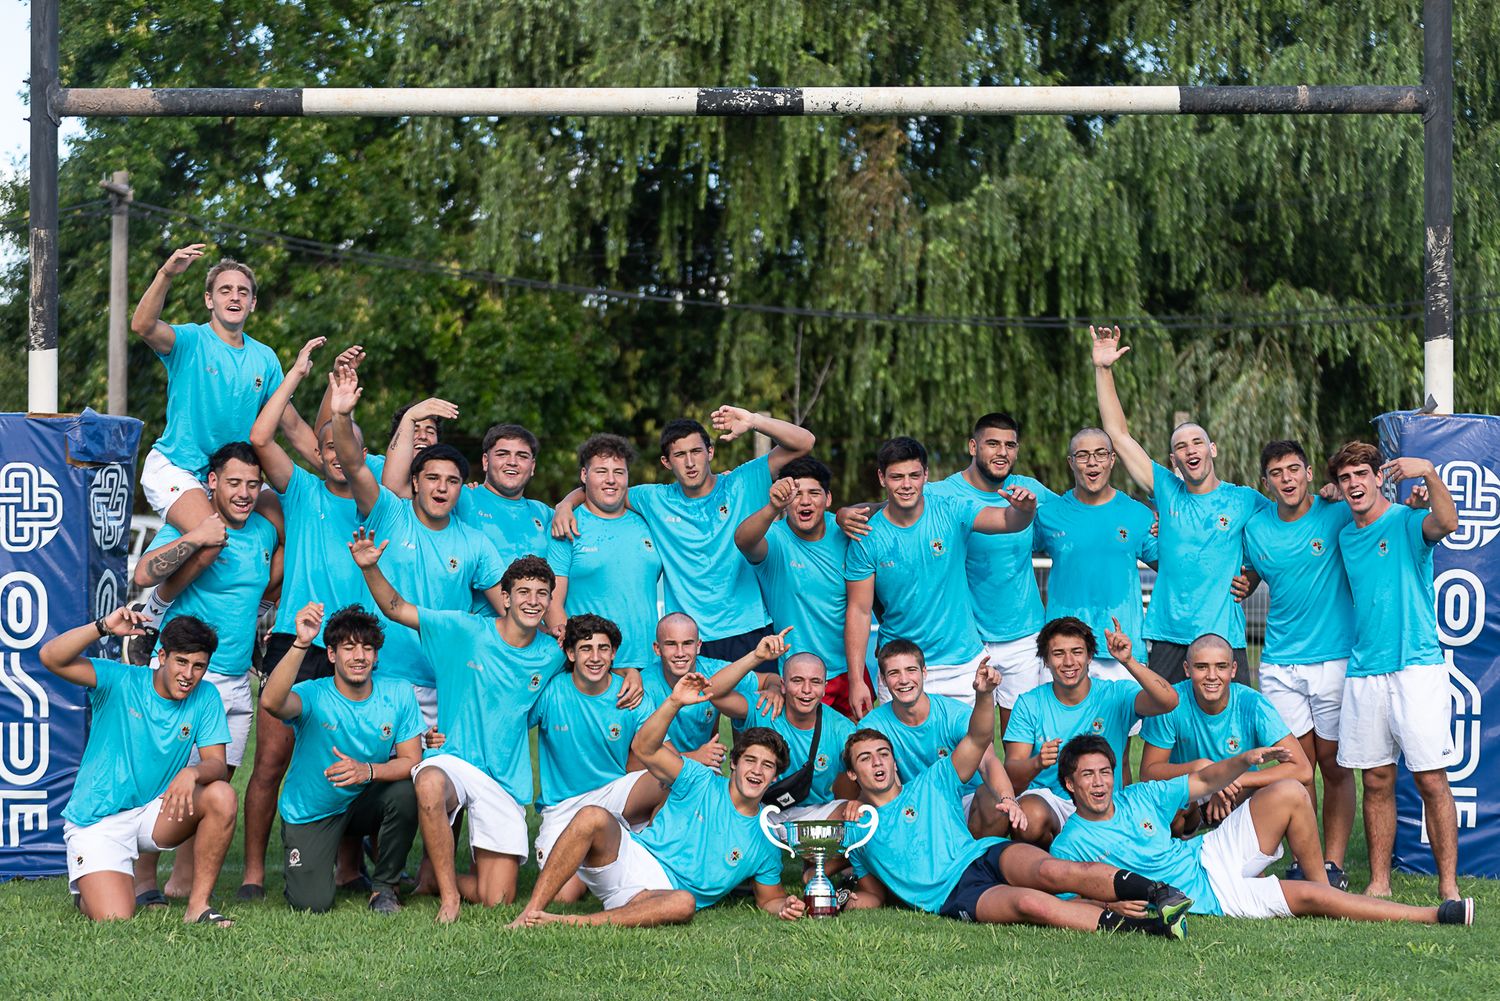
[[385, 902], [1172, 905], [1456, 912], [1337, 878], [1294, 872]]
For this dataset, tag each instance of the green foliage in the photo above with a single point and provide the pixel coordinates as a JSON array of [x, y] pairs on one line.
[[1267, 232]]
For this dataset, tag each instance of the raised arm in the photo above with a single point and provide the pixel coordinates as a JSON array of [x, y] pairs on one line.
[[1107, 351], [146, 320], [63, 653], [996, 520], [396, 477], [792, 441], [367, 555], [344, 393], [275, 464], [1442, 516], [650, 745], [721, 686], [276, 695], [860, 598], [1156, 696], [750, 537], [1207, 781], [159, 564], [981, 735]]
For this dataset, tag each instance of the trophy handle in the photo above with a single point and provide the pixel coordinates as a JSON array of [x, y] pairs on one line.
[[766, 828], [874, 822]]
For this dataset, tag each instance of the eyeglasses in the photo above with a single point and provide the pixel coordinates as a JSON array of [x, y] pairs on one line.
[[1098, 455]]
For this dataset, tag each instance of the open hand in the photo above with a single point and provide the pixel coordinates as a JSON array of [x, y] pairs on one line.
[[1107, 346]]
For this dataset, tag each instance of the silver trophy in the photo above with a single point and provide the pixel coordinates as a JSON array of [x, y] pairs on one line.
[[813, 840]]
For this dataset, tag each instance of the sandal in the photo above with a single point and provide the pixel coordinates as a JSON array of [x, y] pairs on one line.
[[211, 916], [150, 898]]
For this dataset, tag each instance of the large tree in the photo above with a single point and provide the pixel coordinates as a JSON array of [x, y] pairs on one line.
[[1268, 269]]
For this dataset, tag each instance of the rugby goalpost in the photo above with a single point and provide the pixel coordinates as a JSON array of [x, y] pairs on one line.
[[1432, 100]]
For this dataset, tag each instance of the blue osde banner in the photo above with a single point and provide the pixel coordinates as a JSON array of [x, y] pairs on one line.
[[66, 485], [1465, 448]]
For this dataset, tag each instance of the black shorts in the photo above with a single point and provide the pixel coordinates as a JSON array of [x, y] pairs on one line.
[[1167, 659], [978, 876], [732, 648], [315, 663]]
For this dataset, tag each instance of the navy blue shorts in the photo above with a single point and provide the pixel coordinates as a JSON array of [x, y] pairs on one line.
[[978, 876]]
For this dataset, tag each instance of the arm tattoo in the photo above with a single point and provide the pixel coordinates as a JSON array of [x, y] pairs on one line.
[[165, 564]]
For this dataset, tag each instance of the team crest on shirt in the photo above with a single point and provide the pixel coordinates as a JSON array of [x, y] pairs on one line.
[[942, 752], [1383, 547], [822, 763], [1223, 522], [734, 856], [937, 547], [535, 682], [537, 522], [1148, 827], [909, 814], [385, 731], [259, 382], [1097, 726], [453, 563], [293, 858], [1233, 743], [185, 732], [1317, 547], [613, 732], [1124, 533], [265, 556], [647, 544]]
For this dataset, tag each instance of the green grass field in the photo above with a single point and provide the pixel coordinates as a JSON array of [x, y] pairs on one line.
[[731, 950]]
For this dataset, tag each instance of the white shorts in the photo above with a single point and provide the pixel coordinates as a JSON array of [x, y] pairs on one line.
[[633, 871], [1409, 712], [1020, 669], [239, 710], [1061, 808], [427, 702], [1307, 696], [164, 484], [497, 823], [112, 844], [611, 796], [814, 811], [1232, 858], [953, 680]]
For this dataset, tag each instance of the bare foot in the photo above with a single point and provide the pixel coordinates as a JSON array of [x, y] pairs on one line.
[[1381, 891], [175, 892], [1450, 892], [448, 912]]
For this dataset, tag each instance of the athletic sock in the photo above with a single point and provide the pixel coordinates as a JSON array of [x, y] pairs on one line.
[[1133, 886], [1114, 921], [153, 609]]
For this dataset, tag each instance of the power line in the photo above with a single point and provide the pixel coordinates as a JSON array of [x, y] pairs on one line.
[[23, 220]]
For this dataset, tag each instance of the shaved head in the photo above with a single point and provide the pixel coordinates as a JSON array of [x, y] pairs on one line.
[[1207, 642], [1189, 426], [673, 620], [802, 661], [1089, 435]]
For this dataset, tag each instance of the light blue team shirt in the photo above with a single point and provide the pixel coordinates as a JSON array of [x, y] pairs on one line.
[[829, 764], [316, 565], [1002, 582], [1138, 837], [227, 594], [694, 726], [1094, 550], [583, 741], [1249, 720], [920, 579], [916, 748], [703, 843], [1107, 711], [515, 528], [1311, 618], [439, 569], [705, 575], [922, 844], [138, 741], [367, 731], [1200, 550], [214, 393], [803, 586], [486, 689], [613, 568], [1389, 563]]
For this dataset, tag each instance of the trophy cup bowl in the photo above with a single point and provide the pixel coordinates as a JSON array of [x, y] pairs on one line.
[[814, 841]]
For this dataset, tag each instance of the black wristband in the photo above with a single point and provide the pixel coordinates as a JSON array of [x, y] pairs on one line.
[[99, 625], [299, 646]]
